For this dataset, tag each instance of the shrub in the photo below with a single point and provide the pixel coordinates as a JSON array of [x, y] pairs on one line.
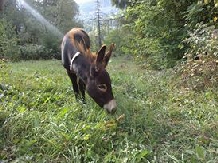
[[202, 41], [33, 52], [51, 45], [198, 75], [199, 72]]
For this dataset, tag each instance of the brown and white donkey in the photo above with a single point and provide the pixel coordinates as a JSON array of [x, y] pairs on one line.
[[87, 70]]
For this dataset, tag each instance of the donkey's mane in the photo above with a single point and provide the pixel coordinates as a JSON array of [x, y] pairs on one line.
[[81, 41]]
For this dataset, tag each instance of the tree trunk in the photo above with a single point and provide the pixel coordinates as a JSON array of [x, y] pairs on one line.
[[2, 4]]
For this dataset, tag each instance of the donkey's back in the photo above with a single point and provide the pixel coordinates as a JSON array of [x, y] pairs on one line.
[[76, 40]]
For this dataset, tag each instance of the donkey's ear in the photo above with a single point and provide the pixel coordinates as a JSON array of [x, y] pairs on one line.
[[101, 54], [108, 54]]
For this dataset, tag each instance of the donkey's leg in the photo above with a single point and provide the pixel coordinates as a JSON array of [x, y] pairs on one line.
[[73, 79], [82, 88]]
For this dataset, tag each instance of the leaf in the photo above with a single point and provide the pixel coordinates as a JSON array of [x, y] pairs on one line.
[[21, 109], [200, 152], [143, 153], [86, 137]]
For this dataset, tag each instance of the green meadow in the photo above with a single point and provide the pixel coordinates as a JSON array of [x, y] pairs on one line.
[[157, 120]]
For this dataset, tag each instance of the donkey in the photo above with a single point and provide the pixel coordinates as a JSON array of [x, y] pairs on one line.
[[87, 71]]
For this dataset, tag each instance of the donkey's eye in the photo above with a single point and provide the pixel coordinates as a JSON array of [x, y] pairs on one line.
[[102, 87]]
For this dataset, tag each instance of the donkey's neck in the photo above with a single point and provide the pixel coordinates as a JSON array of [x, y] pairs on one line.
[[90, 56], [81, 66]]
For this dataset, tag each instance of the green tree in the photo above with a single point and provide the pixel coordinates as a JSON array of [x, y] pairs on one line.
[[67, 11], [60, 13], [120, 3], [158, 27], [34, 35], [8, 41], [204, 11]]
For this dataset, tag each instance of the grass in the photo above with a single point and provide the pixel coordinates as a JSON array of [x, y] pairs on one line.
[[40, 121]]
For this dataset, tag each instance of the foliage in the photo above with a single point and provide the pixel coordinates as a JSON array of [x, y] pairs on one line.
[[121, 3], [61, 14], [8, 41], [93, 41], [158, 28], [154, 122], [202, 11], [202, 41], [33, 52], [52, 46], [199, 72], [39, 34], [199, 75], [120, 37]]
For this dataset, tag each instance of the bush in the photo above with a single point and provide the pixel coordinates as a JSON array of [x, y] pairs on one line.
[[200, 70], [51, 44], [202, 41], [198, 75], [33, 52]]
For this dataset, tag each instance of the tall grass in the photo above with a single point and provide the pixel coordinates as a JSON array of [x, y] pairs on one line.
[[40, 121]]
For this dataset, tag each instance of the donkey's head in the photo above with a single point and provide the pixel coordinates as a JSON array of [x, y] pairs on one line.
[[98, 85]]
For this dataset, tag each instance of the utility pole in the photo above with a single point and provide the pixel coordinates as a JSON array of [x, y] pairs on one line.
[[98, 15]]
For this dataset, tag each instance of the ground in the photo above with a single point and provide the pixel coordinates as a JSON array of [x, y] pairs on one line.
[[156, 120]]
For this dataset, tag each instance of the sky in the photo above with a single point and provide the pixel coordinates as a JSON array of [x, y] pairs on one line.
[[82, 1]]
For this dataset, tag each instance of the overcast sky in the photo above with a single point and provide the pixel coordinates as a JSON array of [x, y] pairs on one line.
[[82, 1]]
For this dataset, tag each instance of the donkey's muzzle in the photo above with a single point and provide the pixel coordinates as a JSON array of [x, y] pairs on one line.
[[111, 106]]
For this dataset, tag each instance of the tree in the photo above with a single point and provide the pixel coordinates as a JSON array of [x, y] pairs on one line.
[[34, 21], [98, 19], [121, 3], [1, 4], [8, 41], [205, 11], [60, 13], [158, 27]]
